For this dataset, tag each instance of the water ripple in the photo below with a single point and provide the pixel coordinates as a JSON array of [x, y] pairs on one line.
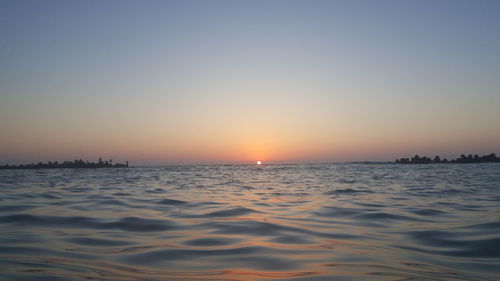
[[279, 222]]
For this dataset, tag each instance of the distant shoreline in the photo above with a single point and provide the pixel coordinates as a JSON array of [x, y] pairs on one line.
[[76, 164], [80, 164], [463, 159]]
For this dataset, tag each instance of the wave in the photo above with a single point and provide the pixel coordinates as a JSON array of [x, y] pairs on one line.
[[127, 223], [280, 222]]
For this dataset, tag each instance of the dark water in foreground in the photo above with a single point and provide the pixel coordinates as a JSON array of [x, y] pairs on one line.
[[291, 222]]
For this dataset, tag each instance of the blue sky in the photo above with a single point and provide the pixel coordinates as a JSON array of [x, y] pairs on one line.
[[234, 81]]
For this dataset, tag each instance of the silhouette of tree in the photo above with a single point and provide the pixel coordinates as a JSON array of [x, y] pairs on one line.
[[67, 164], [462, 159]]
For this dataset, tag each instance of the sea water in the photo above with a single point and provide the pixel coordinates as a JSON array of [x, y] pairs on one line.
[[279, 222]]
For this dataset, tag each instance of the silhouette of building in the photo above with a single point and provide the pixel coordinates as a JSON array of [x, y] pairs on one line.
[[67, 165]]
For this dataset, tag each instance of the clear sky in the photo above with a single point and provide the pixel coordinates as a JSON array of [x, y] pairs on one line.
[[166, 82]]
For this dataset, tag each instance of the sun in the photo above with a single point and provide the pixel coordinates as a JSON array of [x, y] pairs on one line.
[[259, 163]]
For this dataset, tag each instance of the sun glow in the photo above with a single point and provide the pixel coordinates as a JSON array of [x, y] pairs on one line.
[[259, 163]]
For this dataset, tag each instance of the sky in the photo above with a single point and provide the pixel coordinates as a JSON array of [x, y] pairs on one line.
[[180, 82]]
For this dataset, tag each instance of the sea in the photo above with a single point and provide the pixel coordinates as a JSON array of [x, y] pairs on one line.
[[245, 222]]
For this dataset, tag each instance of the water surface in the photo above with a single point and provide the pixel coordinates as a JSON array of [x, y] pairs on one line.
[[279, 222]]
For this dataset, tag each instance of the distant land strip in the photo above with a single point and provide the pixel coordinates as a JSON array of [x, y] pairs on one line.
[[68, 165], [462, 159]]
